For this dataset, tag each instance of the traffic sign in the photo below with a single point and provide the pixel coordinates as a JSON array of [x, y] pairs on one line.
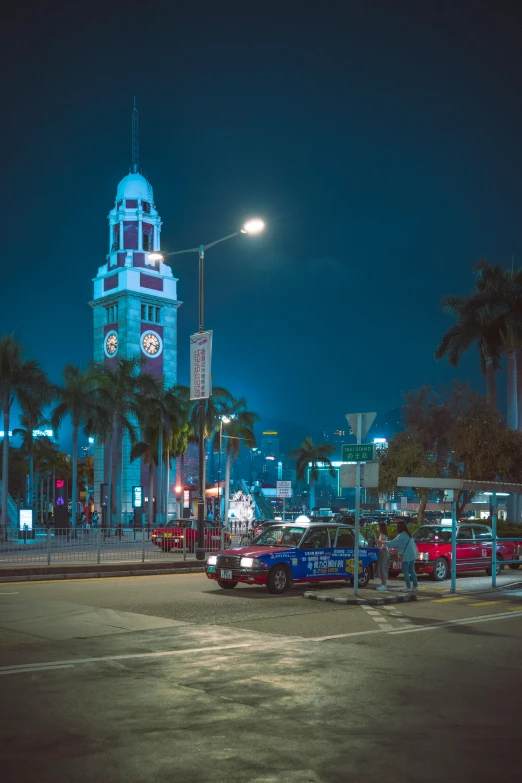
[[284, 489], [369, 475], [367, 420], [358, 452]]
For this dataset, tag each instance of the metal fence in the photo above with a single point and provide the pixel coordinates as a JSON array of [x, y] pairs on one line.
[[99, 545]]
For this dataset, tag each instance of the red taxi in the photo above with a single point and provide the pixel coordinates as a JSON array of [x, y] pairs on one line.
[[184, 532], [474, 550]]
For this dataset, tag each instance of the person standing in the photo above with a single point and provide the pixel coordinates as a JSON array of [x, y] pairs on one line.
[[405, 546], [384, 556]]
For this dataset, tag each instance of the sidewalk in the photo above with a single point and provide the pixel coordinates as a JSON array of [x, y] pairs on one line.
[[427, 589], [29, 573]]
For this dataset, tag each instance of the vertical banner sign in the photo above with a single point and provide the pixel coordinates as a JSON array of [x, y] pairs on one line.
[[200, 365]]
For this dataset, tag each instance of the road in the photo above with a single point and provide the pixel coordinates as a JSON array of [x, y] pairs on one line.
[[171, 678]]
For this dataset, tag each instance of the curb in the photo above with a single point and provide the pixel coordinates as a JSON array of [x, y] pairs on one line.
[[39, 574], [392, 599]]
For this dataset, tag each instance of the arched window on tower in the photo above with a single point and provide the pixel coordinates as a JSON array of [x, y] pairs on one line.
[[115, 245]]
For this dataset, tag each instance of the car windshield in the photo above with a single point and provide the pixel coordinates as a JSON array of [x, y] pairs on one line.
[[280, 535], [179, 523], [435, 533]]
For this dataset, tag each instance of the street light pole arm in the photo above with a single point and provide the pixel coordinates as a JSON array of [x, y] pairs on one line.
[[204, 247]]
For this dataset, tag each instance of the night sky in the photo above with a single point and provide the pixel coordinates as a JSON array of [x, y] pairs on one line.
[[381, 142]]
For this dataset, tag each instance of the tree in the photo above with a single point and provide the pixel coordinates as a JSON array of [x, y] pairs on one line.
[[147, 450], [455, 435], [315, 456], [475, 324], [123, 395], [240, 430], [406, 456], [22, 381], [79, 398]]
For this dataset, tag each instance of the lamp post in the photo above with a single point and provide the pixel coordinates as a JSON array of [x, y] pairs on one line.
[[254, 226], [222, 420]]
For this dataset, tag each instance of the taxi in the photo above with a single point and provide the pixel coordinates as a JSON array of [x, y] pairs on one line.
[[288, 553]]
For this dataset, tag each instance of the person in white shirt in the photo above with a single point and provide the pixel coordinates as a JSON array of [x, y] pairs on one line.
[[405, 546]]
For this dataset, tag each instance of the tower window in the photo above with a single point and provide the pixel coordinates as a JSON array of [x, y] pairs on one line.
[[146, 206], [147, 244], [151, 314], [111, 313]]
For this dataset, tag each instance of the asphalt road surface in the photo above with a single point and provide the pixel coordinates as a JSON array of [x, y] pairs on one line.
[[169, 678]]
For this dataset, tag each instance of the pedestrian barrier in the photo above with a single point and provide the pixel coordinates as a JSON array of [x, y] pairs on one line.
[[95, 545]]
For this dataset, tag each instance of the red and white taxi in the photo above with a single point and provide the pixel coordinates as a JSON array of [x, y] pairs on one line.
[[474, 550]]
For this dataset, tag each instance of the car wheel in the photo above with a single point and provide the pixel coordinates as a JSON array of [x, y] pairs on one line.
[[500, 566], [226, 585], [514, 566], [440, 570], [278, 580], [364, 578]]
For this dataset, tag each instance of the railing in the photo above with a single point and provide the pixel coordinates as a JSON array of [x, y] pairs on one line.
[[99, 545]]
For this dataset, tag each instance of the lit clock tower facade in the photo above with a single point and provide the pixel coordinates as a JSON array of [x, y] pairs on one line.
[[135, 307]]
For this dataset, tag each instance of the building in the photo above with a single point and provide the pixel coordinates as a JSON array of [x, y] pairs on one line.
[[134, 305]]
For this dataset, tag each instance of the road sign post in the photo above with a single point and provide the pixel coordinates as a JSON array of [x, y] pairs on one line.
[[284, 491], [360, 424]]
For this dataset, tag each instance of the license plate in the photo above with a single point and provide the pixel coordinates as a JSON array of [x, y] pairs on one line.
[[176, 540], [396, 565], [226, 574]]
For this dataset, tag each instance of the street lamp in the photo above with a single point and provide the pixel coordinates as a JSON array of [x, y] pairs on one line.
[[252, 226], [222, 420]]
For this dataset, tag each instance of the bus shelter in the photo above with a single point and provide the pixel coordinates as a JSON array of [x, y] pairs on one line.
[[493, 488]]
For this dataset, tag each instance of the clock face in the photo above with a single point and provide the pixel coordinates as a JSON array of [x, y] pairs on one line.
[[110, 345], [151, 343]]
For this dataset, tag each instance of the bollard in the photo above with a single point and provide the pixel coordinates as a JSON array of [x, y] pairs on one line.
[[142, 545], [48, 547], [98, 546]]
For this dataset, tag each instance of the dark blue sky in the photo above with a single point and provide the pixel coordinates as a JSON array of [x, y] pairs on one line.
[[380, 141]]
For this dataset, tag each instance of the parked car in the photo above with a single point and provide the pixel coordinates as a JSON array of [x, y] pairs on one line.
[[474, 550], [184, 532], [288, 553]]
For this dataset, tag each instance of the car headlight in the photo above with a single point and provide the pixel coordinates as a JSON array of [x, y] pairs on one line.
[[247, 562], [212, 560]]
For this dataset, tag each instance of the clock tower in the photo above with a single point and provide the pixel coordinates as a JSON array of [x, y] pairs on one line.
[[134, 305]]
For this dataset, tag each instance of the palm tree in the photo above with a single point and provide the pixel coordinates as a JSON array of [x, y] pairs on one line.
[[124, 392], [80, 398], [240, 430], [31, 419], [313, 456], [20, 381], [475, 324]]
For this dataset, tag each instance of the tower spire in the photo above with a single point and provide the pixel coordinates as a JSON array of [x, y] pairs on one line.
[[135, 141]]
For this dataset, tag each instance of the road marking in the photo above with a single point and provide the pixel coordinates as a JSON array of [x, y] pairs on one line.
[[485, 603], [486, 618], [3, 593], [346, 635], [38, 669], [514, 609], [24, 667], [445, 600]]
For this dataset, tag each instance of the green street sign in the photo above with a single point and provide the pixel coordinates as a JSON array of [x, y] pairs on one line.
[[363, 452]]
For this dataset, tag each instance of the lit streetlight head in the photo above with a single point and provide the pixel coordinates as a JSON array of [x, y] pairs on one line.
[[225, 420], [155, 256], [254, 226], [178, 489]]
